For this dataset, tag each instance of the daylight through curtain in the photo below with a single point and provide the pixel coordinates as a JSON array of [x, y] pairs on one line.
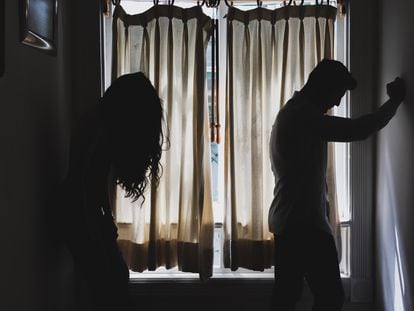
[[174, 226], [270, 55]]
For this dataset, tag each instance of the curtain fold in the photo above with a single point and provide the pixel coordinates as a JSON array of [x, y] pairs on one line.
[[173, 226], [270, 55]]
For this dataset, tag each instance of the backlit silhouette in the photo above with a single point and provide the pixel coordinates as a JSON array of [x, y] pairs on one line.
[[118, 143], [304, 245]]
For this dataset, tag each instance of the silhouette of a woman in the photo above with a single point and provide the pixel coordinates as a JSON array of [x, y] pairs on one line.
[[119, 142]]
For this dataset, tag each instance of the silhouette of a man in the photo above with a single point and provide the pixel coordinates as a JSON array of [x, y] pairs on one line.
[[304, 245]]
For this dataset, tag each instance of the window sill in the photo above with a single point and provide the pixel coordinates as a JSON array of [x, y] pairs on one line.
[[239, 277], [218, 273], [215, 289]]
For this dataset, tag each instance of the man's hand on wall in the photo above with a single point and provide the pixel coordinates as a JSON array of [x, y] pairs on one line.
[[396, 90]]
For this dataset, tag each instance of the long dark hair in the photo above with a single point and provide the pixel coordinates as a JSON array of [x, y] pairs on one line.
[[133, 127]]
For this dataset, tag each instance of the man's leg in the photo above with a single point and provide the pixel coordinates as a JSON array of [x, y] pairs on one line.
[[323, 274], [289, 273]]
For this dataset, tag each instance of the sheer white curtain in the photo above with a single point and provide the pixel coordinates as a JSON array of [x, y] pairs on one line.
[[270, 55], [174, 226]]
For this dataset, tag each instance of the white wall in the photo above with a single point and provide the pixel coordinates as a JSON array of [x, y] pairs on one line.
[[40, 95], [395, 168]]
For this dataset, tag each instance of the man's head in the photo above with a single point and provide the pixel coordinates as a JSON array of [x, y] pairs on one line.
[[328, 82], [132, 116]]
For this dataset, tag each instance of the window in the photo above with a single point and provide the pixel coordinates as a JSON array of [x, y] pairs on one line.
[[342, 150]]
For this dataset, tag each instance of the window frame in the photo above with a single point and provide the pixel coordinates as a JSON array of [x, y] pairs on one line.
[[218, 272], [362, 61]]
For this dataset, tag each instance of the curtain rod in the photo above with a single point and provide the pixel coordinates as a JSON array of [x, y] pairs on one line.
[[217, 2], [342, 4]]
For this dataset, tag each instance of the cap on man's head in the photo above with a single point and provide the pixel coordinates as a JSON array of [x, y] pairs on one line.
[[332, 73]]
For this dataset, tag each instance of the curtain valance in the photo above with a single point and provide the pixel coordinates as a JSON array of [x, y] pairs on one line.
[[157, 11], [286, 12]]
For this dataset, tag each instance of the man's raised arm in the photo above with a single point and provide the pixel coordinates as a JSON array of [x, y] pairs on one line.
[[332, 128]]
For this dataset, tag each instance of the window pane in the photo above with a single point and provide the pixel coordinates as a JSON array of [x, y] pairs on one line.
[[139, 6], [133, 7], [344, 265], [341, 149], [342, 158]]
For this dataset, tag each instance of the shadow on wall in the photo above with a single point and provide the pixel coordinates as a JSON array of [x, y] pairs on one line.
[[393, 218]]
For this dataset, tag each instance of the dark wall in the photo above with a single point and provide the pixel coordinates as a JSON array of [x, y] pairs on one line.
[[41, 96], [395, 168]]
